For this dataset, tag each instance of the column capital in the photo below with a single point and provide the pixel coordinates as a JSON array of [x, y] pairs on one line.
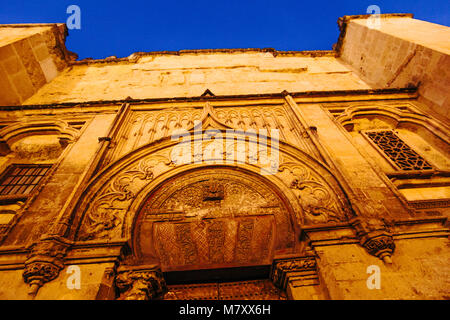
[[283, 269], [140, 282]]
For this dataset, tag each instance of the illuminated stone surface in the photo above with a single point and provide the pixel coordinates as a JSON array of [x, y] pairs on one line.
[[139, 225]]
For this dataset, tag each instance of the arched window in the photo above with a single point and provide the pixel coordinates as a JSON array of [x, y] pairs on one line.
[[27, 152], [411, 149]]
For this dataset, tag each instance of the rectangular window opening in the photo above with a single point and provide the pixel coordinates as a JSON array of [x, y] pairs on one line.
[[398, 151], [20, 179]]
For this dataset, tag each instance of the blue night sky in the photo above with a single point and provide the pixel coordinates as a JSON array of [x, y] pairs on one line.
[[120, 28]]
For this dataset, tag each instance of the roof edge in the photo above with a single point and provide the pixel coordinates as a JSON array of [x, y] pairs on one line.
[[344, 20], [134, 57]]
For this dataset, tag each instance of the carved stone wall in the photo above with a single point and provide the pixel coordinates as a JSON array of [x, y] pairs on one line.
[[112, 201], [145, 127], [298, 196]]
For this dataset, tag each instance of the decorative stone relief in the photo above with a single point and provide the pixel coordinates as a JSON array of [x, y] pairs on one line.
[[217, 216], [381, 246], [240, 290], [142, 283], [375, 238], [36, 274], [44, 262], [318, 201], [312, 197], [282, 269], [106, 213], [149, 126]]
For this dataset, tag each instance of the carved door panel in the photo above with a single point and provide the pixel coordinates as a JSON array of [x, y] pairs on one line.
[[215, 242]]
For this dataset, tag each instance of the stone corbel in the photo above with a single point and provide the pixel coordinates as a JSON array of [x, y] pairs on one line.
[[375, 238], [40, 271], [284, 269], [140, 282], [44, 263]]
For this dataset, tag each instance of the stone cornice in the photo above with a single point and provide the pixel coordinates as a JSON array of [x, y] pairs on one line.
[[401, 229], [86, 252], [133, 58], [283, 269], [315, 96]]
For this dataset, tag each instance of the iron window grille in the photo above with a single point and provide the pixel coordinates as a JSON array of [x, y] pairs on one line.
[[397, 151], [21, 179]]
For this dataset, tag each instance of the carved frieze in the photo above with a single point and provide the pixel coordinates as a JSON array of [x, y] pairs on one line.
[[146, 127], [283, 269], [240, 290]]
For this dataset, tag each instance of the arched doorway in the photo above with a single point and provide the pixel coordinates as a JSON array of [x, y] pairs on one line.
[[214, 217], [210, 226]]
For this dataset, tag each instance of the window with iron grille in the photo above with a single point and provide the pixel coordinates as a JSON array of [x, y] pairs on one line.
[[21, 179], [398, 151]]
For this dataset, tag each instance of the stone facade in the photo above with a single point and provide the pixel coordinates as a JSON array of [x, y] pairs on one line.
[[300, 172]]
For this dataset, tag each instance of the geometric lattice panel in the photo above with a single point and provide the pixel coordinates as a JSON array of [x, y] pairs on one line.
[[398, 151], [241, 290]]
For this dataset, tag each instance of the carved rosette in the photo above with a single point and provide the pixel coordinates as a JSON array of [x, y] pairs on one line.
[[283, 269], [140, 284]]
